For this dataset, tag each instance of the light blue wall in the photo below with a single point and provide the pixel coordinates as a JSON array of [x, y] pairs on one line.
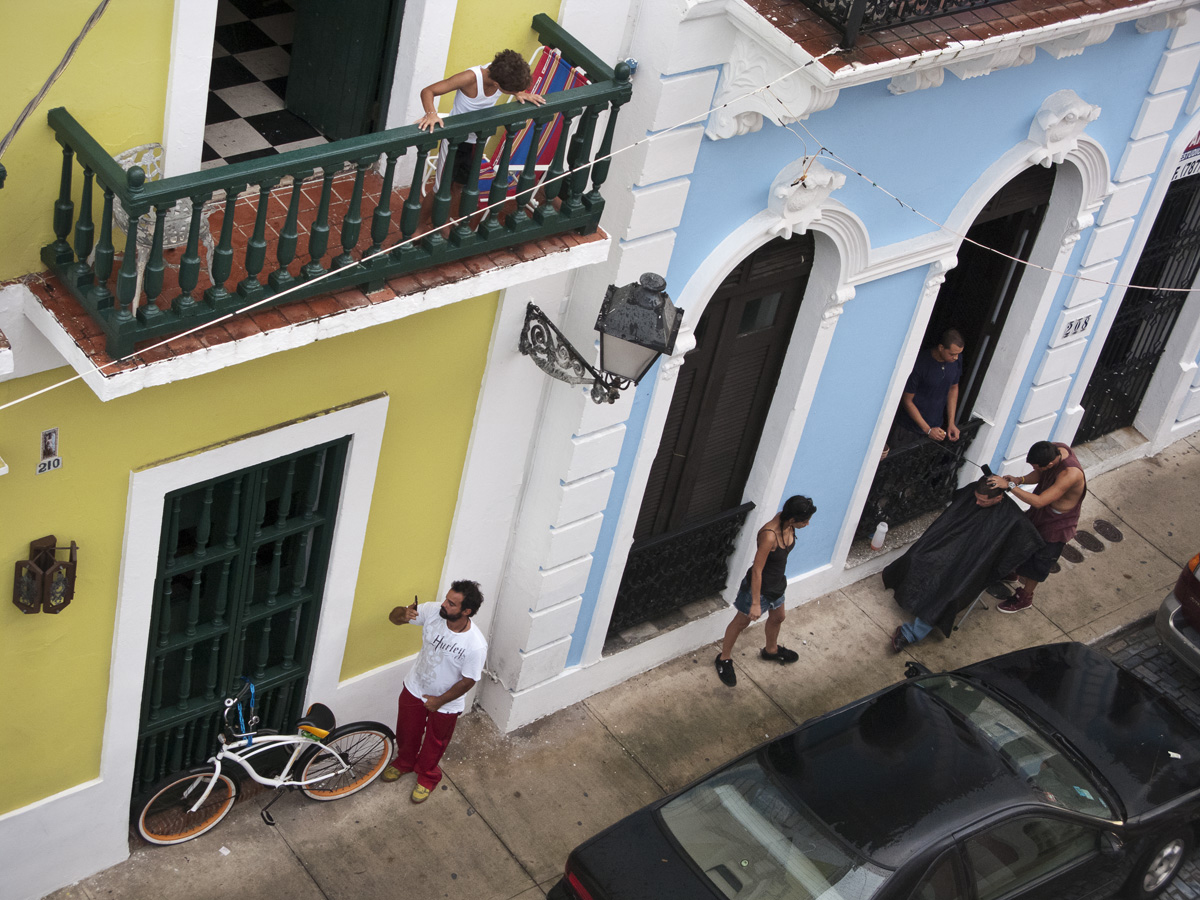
[[928, 147], [848, 403]]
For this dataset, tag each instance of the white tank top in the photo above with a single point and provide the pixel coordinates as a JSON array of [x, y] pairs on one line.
[[465, 104]]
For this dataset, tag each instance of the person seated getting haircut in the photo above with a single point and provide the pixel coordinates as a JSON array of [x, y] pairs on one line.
[[980, 537]]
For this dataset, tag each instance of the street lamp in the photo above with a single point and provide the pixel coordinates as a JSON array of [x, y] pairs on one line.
[[637, 323]]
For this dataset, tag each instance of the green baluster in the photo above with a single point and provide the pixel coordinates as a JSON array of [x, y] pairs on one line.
[[525, 190], [290, 639], [185, 678], [382, 219], [299, 563], [554, 181], [100, 295], [250, 287], [214, 660], [204, 526], [593, 200], [193, 610], [64, 210], [468, 200], [84, 232], [576, 181], [127, 278], [312, 494], [441, 201], [189, 263], [411, 214], [285, 252], [222, 263], [156, 688], [273, 573], [173, 540], [264, 649], [318, 236], [491, 219], [352, 223], [222, 594], [231, 521], [153, 280], [164, 616]]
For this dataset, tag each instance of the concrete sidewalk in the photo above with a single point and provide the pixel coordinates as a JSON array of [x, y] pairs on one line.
[[512, 806]]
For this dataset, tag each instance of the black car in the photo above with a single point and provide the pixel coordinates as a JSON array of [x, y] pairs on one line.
[[1046, 773]]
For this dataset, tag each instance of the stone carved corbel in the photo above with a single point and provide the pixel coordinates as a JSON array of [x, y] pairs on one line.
[[1076, 227], [1061, 48], [685, 343], [917, 81], [937, 276], [1057, 126], [740, 104], [837, 301], [798, 193], [1162, 21], [1004, 58]]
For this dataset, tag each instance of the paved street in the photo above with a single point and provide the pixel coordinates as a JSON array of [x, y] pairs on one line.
[[512, 806]]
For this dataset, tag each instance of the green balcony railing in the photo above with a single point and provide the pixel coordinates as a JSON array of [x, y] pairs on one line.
[[133, 316]]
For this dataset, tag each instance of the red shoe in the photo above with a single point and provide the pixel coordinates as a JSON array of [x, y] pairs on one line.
[[1019, 601]]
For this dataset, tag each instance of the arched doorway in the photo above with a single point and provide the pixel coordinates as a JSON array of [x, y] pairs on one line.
[[692, 506], [975, 299], [1169, 261]]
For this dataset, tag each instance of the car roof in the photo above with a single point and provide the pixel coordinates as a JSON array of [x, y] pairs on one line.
[[1142, 745], [894, 773]]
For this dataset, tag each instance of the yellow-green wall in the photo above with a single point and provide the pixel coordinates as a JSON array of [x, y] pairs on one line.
[[482, 29], [115, 86], [55, 669]]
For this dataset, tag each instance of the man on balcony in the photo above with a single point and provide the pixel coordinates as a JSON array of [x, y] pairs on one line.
[[930, 400]]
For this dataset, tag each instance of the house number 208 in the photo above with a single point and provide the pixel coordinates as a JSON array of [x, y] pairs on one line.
[[1077, 326]]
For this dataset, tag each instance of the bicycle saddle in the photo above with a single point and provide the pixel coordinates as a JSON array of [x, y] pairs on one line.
[[318, 721]]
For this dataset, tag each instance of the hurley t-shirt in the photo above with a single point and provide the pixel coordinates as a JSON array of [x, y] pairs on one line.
[[445, 658]]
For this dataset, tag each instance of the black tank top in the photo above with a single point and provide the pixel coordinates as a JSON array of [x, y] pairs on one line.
[[774, 578]]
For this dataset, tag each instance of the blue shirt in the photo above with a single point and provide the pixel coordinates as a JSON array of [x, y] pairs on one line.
[[930, 383]]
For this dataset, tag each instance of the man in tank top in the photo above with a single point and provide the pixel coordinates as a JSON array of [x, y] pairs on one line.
[[1054, 506], [479, 87]]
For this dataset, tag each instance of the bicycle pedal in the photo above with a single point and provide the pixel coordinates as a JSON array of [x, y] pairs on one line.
[[267, 817]]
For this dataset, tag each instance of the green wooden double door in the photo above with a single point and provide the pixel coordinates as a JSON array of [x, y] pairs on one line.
[[241, 572]]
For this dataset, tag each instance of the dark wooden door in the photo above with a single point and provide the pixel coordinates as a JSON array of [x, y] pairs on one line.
[[979, 291], [240, 577], [343, 56], [1170, 260], [692, 507]]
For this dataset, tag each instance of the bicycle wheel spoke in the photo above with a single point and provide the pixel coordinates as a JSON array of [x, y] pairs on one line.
[[168, 817], [365, 751]]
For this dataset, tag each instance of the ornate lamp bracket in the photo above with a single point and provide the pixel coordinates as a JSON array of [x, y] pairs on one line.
[[551, 352]]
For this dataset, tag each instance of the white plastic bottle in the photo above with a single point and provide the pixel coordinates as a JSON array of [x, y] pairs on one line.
[[878, 536]]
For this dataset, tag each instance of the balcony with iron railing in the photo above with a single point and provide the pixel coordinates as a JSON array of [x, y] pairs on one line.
[[321, 220], [854, 17]]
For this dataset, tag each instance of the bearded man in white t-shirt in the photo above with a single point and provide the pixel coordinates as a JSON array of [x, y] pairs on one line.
[[449, 665]]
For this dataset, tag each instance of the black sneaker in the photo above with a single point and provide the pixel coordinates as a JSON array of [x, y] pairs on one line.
[[725, 671], [781, 655]]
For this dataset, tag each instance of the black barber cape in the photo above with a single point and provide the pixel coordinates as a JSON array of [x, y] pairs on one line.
[[966, 549]]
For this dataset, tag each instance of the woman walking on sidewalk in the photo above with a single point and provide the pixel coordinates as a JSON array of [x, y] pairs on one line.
[[762, 587]]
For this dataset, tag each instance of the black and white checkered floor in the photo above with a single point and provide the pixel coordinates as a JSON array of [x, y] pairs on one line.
[[246, 118]]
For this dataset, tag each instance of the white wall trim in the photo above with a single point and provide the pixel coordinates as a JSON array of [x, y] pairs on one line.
[[89, 822], [192, 28]]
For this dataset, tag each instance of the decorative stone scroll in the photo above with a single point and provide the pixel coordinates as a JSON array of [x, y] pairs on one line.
[[798, 193], [741, 102], [1058, 125]]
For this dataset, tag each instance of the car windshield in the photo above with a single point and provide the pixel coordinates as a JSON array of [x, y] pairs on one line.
[[1046, 769], [752, 840]]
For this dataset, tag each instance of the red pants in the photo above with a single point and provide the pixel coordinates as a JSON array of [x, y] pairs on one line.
[[421, 739]]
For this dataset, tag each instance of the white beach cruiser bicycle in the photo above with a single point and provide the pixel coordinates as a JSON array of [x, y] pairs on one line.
[[326, 763]]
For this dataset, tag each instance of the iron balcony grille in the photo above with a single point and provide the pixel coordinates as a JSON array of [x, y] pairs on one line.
[[915, 480], [853, 17], [672, 570]]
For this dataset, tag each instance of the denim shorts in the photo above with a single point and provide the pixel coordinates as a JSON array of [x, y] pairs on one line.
[[744, 598]]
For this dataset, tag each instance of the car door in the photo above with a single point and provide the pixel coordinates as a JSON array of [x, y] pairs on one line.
[[1039, 857]]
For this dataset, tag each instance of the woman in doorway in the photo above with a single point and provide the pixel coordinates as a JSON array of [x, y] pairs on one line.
[[762, 587]]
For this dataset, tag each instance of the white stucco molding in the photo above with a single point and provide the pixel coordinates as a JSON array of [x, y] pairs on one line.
[[1162, 21], [739, 107], [966, 59], [1057, 126], [798, 193]]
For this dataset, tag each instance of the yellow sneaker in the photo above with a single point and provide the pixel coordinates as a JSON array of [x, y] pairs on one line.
[[420, 794], [391, 773]]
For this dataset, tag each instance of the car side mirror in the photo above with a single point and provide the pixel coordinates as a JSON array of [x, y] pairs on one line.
[[1111, 844]]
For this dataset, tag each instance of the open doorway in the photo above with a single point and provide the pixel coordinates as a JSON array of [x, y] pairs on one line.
[[975, 299], [289, 74]]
